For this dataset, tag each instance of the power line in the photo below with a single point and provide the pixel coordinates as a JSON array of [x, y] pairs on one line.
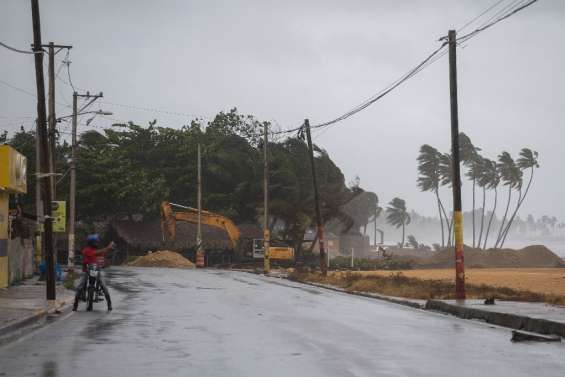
[[411, 73], [512, 11], [154, 110], [67, 61], [514, 8], [17, 88], [480, 15], [18, 50]]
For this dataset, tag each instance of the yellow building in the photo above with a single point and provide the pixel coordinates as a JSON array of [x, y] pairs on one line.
[[12, 181]]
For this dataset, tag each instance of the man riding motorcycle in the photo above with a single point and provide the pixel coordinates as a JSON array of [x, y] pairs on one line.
[[91, 255]]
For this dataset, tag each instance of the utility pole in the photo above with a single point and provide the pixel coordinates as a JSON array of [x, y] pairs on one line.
[[266, 230], [52, 119], [457, 215], [199, 251], [73, 164], [39, 250], [52, 122], [323, 266], [44, 149], [73, 185]]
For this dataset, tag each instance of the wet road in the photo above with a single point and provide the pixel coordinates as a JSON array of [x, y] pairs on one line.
[[219, 323]]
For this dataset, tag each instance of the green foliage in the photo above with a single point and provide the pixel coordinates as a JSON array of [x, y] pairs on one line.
[[128, 169]]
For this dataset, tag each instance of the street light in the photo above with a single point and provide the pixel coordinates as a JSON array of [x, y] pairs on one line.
[[97, 112], [100, 112]]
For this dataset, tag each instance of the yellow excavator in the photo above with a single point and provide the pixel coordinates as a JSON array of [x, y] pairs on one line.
[[169, 218]]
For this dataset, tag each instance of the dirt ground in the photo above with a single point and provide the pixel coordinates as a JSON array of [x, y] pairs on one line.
[[540, 280]]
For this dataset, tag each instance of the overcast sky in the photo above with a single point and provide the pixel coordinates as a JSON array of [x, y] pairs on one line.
[[284, 61]]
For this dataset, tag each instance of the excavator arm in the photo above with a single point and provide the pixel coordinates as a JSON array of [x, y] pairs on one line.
[[169, 219]]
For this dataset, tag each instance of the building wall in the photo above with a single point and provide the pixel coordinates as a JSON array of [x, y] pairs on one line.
[[358, 242], [20, 260], [3, 239]]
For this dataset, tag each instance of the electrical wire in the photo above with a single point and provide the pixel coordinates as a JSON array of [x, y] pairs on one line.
[[17, 88], [68, 63], [500, 15], [154, 110], [418, 68], [18, 50], [517, 7], [480, 15]]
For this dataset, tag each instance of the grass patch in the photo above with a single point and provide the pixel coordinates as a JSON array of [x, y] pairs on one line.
[[399, 285]]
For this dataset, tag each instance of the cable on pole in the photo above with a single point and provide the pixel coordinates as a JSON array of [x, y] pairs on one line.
[[20, 51]]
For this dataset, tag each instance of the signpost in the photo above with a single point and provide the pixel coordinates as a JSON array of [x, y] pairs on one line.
[[59, 213]]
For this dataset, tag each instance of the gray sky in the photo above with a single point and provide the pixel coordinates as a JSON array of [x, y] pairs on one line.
[[288, 60]]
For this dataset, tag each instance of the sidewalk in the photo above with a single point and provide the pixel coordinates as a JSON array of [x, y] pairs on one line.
[[25, 304]]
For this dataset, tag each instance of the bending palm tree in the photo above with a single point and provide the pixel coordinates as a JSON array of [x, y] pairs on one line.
[[397, 216], [470, 158], [528, 160], [446, 175], [491, 179], [478, 170], [429, 178], [511, 175]]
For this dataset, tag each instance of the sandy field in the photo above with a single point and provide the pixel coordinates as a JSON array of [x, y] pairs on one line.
[[540, 280]]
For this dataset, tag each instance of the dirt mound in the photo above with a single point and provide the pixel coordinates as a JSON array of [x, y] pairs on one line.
[[531, 256], [163, 258]]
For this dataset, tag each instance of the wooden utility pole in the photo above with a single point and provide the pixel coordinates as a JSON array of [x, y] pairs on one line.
[[319, 222], [73, 165], [457, 214], [73, 184], [199, 251], [266, 230], [44, 151], [39, 249], [52, 120]]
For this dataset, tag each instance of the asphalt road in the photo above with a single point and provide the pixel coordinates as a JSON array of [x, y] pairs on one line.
[[219, 323]]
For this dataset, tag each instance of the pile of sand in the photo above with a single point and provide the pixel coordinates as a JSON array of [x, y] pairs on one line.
[[531, 256], [163, 258]]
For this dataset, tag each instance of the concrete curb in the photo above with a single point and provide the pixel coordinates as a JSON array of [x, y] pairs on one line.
[[13, 331], [394, 300], [513, 321]]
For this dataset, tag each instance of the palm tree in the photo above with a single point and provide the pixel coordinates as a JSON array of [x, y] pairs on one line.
[[511, 175], [528, 160], [396, 215], [446, 177], [429, 178], [479, 170], [470, 157], [490, 179]]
